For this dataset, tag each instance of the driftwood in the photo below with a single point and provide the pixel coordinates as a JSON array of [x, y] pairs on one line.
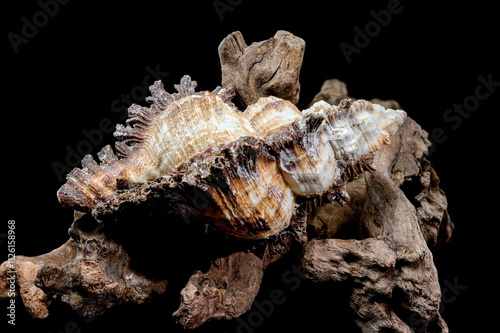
[[378, 241], [26, 268], [389, 263], [91, 272], [99, 276], [270, 67], [228, 289]]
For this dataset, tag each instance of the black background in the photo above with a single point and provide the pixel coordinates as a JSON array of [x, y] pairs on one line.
[[65, 79]]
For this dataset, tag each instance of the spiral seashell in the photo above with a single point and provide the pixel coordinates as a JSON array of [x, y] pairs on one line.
[[254, 168]]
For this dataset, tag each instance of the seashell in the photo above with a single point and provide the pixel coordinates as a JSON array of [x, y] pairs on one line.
[[254, 168]]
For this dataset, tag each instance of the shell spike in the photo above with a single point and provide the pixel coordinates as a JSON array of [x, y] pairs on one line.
[[159, 97], [76, 194], [226, 92], [89, 163], [107, 156], [186, 87]]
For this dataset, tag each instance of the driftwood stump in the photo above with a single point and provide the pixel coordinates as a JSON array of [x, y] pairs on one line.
[[378, 241], [270, 67]]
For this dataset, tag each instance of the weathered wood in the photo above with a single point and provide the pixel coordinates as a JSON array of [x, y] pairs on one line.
[[387, 260], [266, 68], [99, 276], [26, 268], [229, 287]]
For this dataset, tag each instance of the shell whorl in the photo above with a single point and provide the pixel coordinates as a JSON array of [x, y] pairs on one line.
[[256, 167]]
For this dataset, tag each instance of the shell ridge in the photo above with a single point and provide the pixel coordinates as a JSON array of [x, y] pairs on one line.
[[139, 115], [107, 156]]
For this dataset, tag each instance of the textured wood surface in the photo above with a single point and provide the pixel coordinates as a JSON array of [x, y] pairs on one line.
[[267, 68]]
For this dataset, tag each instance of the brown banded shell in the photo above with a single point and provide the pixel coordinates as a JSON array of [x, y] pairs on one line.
[[251, 167]]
